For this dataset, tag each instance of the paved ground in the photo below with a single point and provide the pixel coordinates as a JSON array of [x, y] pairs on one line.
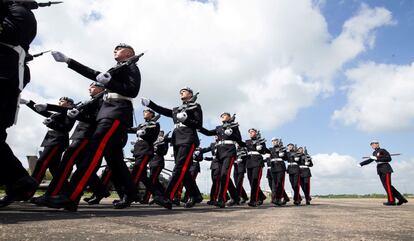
[[325, 219]]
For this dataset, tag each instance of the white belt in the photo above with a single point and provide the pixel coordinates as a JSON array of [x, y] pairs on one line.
[[276, 160], [293, 163], [115, 96], [303, 166], [253, 153], [22, 56], [381, 162], [179, 125], [228, 142]]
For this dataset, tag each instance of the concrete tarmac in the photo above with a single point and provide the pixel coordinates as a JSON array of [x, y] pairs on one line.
[[325, 219]]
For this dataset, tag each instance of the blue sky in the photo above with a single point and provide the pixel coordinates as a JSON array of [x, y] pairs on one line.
[[248, 57]]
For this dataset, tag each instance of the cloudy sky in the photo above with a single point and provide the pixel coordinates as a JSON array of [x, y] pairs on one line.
[[329, 75]]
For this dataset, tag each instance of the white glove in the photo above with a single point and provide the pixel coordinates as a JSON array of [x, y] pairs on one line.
[[259, 147], [72, 113], [359, 165], [40, 107], [373, 157], [281, 154], [24, 102], [197, 153], [141, 132], [238, 161], [296, 158], [267, 155], [182, 116], [59, 57], [306, 163], [228, 132], [103, 78], [145, 101], [47, 121]]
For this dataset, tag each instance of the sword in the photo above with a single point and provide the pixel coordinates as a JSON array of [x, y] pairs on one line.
[[395, 154], [30, 57]]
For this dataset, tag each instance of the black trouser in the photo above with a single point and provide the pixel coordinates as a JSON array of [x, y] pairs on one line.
[[74, 154], [238, 177], [140, 172], [295, 183], [155, 181], [11, 169], [215, 185], [270, 183], [194, 174], [225, 182], [101, 186], [305, 184], [255, 174], [108, 140], [392, 192], [278, 185], [183, 156], [106, 177], [49, 158]]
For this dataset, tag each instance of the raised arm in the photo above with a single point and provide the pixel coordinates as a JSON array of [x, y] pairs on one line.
[[206, 132], [45, 113], [159, 109]]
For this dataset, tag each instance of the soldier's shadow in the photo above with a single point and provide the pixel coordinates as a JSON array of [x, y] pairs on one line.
[[25, 212]]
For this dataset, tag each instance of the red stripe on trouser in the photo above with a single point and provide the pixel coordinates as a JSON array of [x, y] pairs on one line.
[[258, 183], [107, 177], [227, 179], [217, 187], [45, 164], [95, 160], [283, 186], [68, 167], [241, 185], [298, 191], [179, 190], [155, 177], [183, 171], [141, 168], [388, 182]]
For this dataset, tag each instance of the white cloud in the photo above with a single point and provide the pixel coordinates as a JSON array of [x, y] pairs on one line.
[[379, 97], [334, 165]]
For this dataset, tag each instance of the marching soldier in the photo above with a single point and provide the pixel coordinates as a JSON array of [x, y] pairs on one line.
[[294, 172], [238, 173], [17, 30], [85, 113], [157, 163], [187, 119], [194, 171], [228, 135], [143, 152], [110, 136], [215, 172], [255, 147], [383, 158], [305, 173], [278, 169], [57, 137]]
